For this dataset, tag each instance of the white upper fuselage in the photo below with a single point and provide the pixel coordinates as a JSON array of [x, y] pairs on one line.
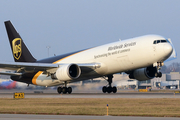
[[118, 56], [124, 55]]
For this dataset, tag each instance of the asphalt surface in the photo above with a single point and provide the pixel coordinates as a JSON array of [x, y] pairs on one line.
[[122, 94], [76, 117]]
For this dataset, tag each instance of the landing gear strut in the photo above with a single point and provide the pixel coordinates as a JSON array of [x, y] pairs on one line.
[[109, 87], [64, 90], [158, 66]]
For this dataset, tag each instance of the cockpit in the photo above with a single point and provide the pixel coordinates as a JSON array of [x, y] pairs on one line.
[[161, 41]]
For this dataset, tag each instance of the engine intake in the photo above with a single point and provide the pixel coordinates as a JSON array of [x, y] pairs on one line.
[[67, 72], [143, 73]]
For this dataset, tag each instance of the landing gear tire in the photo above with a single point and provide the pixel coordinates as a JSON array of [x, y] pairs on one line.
[[64, 90], [158, 74], [69, 90], [114, 89], [59, 90], [104, 89], [109, 89]]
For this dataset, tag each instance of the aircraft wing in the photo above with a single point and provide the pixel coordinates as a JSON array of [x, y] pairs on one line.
[[28, 66], [9, 73], [85, 67]]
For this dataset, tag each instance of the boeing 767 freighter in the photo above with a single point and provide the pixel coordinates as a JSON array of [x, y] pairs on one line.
[[140, 57]]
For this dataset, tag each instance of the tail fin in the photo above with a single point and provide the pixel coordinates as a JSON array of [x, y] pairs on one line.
[[19, 50]]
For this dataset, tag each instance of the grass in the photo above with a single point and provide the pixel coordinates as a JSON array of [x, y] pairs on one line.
[[158, 107]]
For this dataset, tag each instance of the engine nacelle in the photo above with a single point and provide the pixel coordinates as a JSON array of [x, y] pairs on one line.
[[143, 73], [67, 72]]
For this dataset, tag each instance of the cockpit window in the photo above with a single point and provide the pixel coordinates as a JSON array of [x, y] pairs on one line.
[[160, 41]]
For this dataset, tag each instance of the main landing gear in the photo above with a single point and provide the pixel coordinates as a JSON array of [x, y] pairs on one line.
[[64, 90], [109, 88]]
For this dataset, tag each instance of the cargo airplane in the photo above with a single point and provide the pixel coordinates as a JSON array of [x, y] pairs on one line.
[[140, 57]]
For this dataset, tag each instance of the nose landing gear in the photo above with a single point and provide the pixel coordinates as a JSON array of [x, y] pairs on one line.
[[158, 74], [158, 66], [109, 88]]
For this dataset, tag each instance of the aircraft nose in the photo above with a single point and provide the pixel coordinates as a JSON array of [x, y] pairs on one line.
[[168, 49]]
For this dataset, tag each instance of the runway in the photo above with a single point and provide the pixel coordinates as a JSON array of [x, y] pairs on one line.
[[122, 94], [77, 117]]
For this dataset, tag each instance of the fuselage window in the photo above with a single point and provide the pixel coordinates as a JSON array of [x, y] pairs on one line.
[[155, 42]]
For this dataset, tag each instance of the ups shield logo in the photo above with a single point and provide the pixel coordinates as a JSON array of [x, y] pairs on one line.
[[16, 45]]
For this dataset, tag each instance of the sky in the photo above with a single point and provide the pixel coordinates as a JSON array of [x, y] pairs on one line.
[[72, 25]]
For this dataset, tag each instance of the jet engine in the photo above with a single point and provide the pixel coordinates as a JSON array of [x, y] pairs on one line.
[[67, 72], [143, 73]]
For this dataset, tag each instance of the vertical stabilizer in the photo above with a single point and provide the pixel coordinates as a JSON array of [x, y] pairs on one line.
[[19, 50]]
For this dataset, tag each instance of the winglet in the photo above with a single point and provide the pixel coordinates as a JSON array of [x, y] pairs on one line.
[[19, 50]]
